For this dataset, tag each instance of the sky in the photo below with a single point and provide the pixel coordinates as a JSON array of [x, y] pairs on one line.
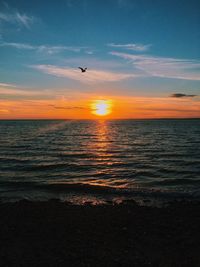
[[143, 58]]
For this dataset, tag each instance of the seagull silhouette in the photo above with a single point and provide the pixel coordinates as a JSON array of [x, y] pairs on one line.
[[82, 69]]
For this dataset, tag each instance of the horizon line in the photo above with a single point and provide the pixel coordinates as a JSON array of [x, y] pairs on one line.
[[97, 119]]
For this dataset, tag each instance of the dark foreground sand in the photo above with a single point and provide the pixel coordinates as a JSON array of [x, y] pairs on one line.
[[56, 234]]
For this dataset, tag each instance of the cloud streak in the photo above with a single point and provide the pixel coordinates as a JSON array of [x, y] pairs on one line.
[[180, 95], [132, 46], [91, 76], [12, 92], [42, 48], [15, 17], [7, 85], [4, 111], [60, 107], [163, 67]]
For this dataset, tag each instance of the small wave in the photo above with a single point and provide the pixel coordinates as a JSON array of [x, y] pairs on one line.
[[64, 166], [146, 174], [173, 182], [19, 184], [75, 155], [63, 186], [13, 160]]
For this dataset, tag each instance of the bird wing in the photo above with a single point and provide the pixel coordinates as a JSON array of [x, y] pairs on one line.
[[80, 68]]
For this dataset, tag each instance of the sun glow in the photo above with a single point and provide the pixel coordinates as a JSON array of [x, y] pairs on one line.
[[101, 107]]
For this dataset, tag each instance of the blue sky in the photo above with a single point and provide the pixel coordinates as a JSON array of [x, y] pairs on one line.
[[132, 48]]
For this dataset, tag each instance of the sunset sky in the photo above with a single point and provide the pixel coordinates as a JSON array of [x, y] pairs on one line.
[[143, 59]]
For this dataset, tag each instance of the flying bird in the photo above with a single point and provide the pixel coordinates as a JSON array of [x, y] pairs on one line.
[[82, 69]]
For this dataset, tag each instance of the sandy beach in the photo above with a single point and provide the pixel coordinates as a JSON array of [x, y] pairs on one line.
[[58, 234]]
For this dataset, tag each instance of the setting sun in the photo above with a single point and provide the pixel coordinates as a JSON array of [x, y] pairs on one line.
[[101, 107]]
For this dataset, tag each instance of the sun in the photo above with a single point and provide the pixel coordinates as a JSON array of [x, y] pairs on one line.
[[101, 107]]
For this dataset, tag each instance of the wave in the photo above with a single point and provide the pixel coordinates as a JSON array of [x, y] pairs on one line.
[[114, 159], [174, 182], [14, 161]]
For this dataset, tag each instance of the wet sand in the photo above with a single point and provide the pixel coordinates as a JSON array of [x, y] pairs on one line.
[[58, 234]]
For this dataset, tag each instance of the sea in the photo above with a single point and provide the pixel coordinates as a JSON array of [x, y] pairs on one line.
[[100, 161]]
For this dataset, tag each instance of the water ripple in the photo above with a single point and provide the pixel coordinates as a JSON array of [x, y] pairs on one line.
[[129, 154]]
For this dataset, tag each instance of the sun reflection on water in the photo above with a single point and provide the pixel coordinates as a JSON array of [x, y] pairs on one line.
[[104, 157]]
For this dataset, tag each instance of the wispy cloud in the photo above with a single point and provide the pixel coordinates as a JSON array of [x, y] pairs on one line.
[[89, 52], [15, 17], [17, 45], [163, 67], [61, 107], [4, 111], [7, 85], [13, 92], [180, 95], [169, 109], [132, 46], [91, 76], [42, 48]]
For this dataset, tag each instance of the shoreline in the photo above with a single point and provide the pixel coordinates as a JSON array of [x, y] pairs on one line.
[[55, 233], [80, 194]]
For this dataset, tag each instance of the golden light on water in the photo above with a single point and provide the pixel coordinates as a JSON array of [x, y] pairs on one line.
[[101, 107]]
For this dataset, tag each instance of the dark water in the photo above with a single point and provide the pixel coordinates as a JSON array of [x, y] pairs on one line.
[[95, 161]]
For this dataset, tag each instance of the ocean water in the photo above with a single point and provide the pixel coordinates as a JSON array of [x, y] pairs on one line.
[[97, 161]]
